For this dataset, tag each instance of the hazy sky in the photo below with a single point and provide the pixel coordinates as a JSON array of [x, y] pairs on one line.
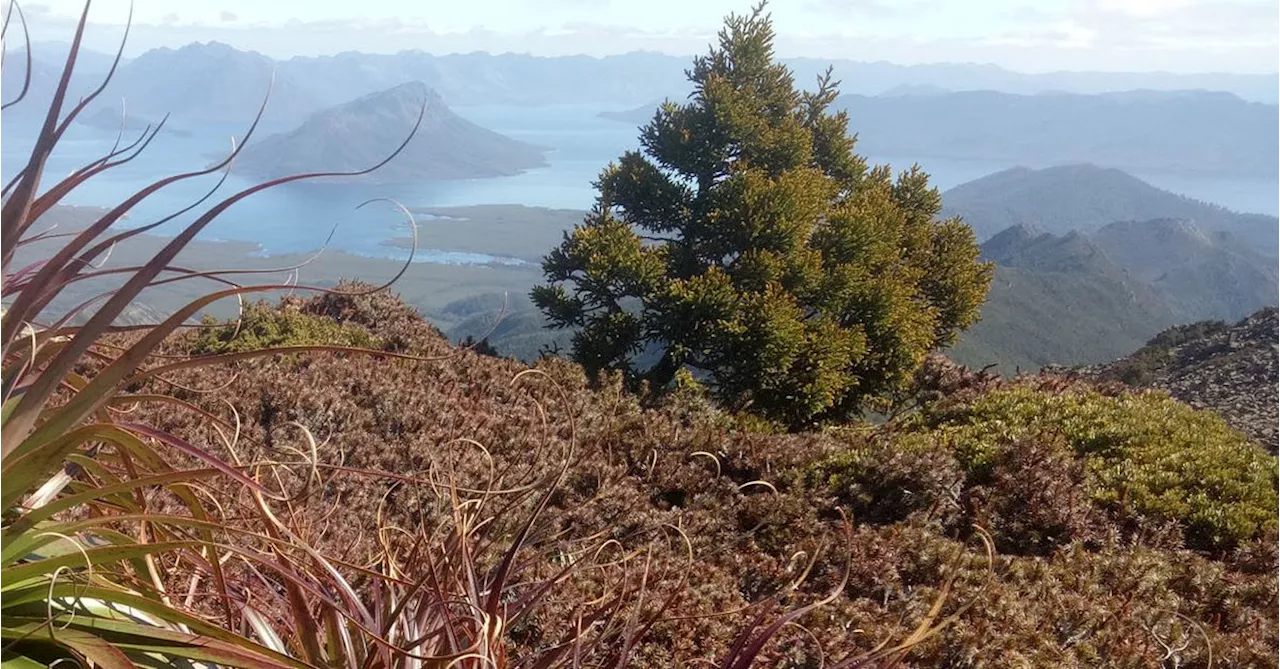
[[1024, 35]]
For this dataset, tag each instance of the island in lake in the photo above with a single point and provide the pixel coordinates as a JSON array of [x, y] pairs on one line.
[[359, 134]]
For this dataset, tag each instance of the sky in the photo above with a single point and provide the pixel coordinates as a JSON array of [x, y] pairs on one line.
[[1240, 36]]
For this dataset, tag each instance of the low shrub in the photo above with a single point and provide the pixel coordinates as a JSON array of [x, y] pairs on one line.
[[1036, 499], [1146, 457], [888, 480], [1070, 586], [263, 325]]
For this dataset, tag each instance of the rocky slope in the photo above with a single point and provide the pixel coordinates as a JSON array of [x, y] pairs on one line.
[[360, 133], [1229, 369]]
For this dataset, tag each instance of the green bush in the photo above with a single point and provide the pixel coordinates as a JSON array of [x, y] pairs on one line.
[[262, 326], [1042, 466], [1147, 457]]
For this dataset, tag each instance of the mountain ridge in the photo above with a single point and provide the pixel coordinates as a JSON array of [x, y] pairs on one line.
[[310, 83], [1057, 299], [1086, 197], [1145, 131], [1081, 298]]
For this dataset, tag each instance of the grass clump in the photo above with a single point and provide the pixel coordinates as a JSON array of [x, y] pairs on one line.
[[889, 481]]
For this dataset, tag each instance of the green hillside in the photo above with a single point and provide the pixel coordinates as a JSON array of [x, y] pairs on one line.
[[1058, 300]]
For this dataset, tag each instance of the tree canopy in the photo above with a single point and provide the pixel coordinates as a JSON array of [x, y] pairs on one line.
[[747, 244]]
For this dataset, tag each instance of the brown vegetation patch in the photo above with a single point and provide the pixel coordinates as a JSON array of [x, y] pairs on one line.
[[1069, 586]]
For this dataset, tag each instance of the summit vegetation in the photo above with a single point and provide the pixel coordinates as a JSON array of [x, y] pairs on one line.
[[325, 481]]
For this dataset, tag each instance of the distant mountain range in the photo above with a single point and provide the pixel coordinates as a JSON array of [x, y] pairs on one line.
[[216, 82], [358, 134], [1188, 132], [1085, 197], [912, 113]]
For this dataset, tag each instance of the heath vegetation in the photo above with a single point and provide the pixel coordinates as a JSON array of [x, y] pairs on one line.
[[325, 481]]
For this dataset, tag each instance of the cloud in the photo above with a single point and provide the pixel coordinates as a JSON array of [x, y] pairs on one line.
[[1144, 24], [228, 17], [867, 8]]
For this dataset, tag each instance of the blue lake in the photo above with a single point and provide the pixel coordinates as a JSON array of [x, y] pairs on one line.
[[298, 217]]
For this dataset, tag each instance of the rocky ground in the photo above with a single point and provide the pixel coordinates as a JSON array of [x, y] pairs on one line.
[[1229, 369]]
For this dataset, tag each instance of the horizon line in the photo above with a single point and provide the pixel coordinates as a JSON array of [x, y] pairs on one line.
[[663, 54]]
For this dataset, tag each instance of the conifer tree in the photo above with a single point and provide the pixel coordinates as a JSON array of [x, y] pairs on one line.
[[749, 246]]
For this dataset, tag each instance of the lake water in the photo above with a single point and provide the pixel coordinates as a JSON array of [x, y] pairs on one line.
[[298, 217]]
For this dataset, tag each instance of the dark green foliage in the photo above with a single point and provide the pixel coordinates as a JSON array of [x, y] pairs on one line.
[[889, 481], [261, 325], [481, 347], [1228, 369], [1035, 498], [750, 244]]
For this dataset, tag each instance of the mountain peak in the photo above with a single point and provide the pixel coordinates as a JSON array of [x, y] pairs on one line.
[[357, 134], [1025, 246], [1161, 228], [1011, 240], [1201, 275], [211, 48], [415, 90], [401, 103]]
